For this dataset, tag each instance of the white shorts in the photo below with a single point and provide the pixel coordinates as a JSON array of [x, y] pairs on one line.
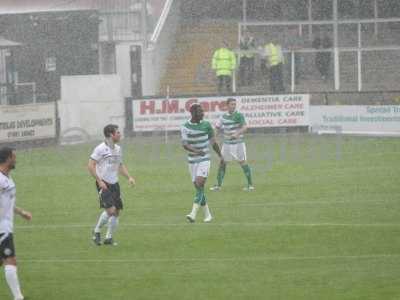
[[200, 169], [234, 152]]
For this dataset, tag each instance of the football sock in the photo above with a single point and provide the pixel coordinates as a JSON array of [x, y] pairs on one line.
[[206, 211], [203, 200], [247, 173], [199, 195], [12, 281], [112, 225], [195, 208], [221, 174], [103, 219]]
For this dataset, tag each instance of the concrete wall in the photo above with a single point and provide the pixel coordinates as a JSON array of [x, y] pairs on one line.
[[91, 102], [123, 66], [154, 57]]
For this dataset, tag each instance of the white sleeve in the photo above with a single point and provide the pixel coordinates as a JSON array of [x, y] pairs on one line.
[[184, 135], [97, 154], [3, 184]]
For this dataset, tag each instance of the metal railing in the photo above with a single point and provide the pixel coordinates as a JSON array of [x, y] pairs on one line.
[[161, 21], [336, 50]]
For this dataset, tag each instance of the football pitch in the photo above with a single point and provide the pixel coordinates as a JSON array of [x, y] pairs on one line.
[[323, 223]]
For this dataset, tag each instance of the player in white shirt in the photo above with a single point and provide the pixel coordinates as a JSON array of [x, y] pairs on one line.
[[7, 210], [104, 165]]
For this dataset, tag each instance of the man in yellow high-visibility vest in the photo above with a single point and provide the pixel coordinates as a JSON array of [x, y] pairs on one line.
[[274, 54], [224, 64]]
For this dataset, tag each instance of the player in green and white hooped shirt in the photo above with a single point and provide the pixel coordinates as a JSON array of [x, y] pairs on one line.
[[197, 135], [233, 126]]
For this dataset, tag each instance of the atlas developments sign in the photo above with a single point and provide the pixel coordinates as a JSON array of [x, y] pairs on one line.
[[27, 122], [259, 111]]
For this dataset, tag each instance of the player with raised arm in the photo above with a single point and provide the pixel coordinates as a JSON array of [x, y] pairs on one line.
[[104, 165], [197, 135], [233, 125], [7, 211]]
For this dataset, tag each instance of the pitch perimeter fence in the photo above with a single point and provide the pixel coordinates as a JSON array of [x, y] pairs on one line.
[[374, 112]]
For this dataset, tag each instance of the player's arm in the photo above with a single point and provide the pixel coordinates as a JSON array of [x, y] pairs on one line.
[[123, 170], [216, 148], [191, 149], [242, 130], [92, 170], [23, 213], [214, 144], [218, 127]]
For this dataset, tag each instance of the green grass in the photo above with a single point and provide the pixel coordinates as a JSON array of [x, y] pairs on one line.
[[323, 223]]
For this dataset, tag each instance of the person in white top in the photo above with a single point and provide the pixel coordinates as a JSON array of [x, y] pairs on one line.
[[104, 165], [7, 210]]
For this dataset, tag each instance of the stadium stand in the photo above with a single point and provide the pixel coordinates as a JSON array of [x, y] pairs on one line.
[[189, 64], [188, 70]]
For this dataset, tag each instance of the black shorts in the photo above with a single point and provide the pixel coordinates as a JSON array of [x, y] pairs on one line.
[[110, 197], [7, 248]]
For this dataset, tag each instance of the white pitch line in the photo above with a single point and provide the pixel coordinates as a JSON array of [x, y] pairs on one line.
[[317, 202], [216, 259], [233, 205], [227, 224]]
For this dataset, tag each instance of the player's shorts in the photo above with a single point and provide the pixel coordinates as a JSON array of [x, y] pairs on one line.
[[7, 248], [110, 197], [234, 152], [200, 169]]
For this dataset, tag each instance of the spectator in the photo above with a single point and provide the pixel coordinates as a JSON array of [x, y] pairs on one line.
[[323, 59], [224, 63], [246, 68], [274, 55]]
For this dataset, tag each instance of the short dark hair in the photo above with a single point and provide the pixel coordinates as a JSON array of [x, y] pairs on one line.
[[109, 130], [5, 153], [229, 100], [193, 107]]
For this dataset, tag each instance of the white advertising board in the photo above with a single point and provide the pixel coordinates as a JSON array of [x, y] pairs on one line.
[[356, 119], [259, 111], [27, 122]]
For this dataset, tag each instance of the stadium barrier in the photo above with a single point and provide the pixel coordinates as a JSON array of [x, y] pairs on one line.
[[38, 124], [372, 113], [383, 120], [260, 111]]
